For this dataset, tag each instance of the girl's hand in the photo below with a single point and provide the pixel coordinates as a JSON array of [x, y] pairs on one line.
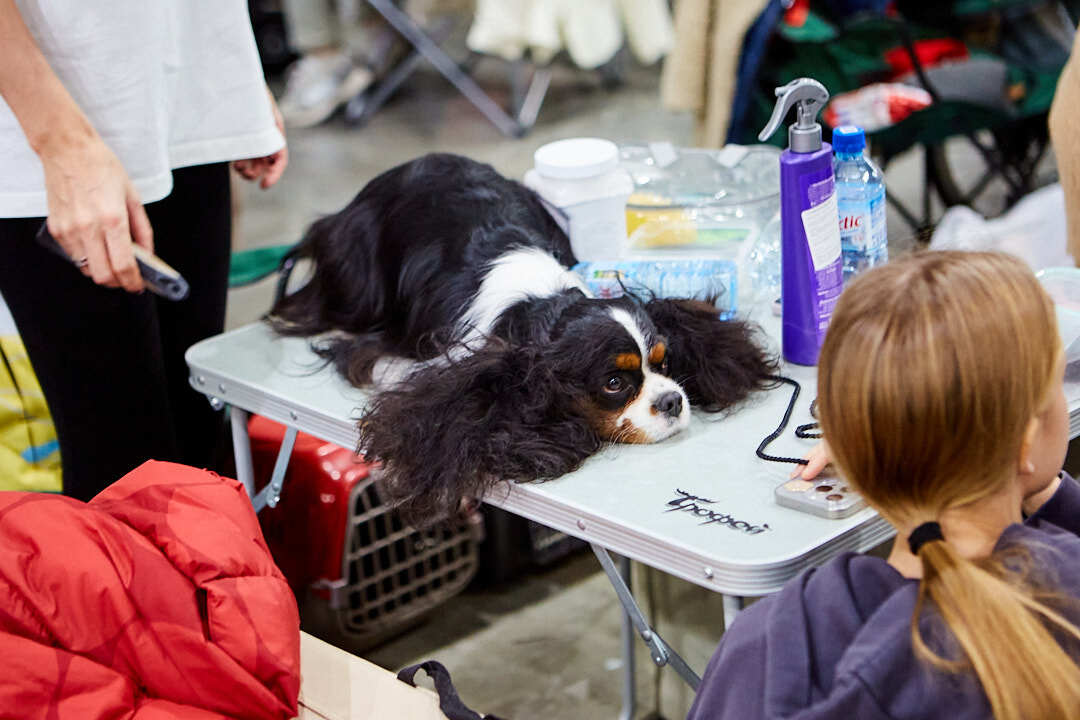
[[94, 210], [1036, 500], [267, 169], [816, 460]]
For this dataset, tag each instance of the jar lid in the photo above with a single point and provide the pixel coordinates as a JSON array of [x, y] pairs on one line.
[[576, 158]]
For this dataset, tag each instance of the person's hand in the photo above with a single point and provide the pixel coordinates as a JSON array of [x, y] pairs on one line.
[[267, 169], [94, 210], [816, 460], [1036, 500]]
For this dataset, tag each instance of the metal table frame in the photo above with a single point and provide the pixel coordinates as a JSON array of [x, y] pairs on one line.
[[526, 97], [228, 379]]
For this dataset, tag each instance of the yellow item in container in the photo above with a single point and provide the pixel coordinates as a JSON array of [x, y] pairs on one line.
[[653, 221], [29, 450]]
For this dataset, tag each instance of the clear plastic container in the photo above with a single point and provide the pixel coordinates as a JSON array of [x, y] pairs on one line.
[[707, 204], [582, 177]]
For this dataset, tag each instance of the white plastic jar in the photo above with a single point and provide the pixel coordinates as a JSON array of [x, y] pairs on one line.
[[582, 177]]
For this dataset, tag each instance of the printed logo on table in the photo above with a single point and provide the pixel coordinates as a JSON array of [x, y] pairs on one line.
[[695, 505]]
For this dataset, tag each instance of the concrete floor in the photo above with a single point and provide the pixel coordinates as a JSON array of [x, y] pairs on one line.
[[546, 645]]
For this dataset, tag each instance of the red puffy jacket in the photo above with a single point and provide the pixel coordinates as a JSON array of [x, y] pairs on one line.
[[157, 599]]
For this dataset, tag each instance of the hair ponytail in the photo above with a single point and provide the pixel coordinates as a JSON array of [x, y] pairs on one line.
[[1004, 633]]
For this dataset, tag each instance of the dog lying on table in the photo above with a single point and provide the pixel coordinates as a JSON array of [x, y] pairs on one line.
[[446, 287]]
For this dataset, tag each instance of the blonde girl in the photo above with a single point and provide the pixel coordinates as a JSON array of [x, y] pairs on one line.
[[941, 396]]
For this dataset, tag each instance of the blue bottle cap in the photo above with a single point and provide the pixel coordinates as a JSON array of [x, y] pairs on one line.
[[848, 139]]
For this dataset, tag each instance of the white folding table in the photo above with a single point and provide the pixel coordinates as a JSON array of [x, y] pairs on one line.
[[698, 506]]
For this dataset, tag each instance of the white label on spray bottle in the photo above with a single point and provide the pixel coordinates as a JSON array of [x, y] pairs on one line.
[[822, 227]]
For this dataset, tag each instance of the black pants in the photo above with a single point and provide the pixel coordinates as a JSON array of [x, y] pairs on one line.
[[111, 363]]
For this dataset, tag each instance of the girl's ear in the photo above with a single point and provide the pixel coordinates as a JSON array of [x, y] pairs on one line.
[[454, 429], [1025, 466], [717, 362]]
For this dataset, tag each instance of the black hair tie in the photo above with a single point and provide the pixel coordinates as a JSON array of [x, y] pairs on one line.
[[923, 534]]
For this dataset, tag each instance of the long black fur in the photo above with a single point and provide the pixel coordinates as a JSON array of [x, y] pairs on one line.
[[717, 362], [504, 412], [421, 219]]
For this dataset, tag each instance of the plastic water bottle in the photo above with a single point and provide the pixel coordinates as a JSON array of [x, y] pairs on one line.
[[860, 195]]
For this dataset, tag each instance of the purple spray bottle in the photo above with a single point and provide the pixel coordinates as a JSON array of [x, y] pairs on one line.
[[811, 275]]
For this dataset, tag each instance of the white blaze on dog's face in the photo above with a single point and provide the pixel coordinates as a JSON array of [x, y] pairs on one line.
[[638, 402]]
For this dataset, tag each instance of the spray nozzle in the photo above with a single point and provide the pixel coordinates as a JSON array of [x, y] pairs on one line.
[[808, 96]]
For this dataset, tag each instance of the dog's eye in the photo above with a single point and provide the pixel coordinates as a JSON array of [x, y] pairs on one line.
[[614, 384], [664, 366]]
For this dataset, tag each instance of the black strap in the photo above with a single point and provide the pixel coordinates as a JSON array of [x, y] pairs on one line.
[[449, 702]]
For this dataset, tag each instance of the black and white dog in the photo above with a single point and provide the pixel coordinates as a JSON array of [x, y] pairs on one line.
[[448, 286]]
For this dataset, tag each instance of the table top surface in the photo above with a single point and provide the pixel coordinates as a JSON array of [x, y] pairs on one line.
[[622, 498]]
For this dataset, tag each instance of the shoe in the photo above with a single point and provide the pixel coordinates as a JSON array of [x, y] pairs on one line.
[[316, 86]]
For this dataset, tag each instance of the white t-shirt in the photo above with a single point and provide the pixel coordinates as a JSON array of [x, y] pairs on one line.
[[166, 83]]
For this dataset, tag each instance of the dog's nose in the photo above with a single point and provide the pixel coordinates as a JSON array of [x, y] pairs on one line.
[[670, 404]]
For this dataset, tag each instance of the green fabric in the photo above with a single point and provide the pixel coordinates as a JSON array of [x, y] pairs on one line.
[[1040, 88], [250, 266], [816, 29], [981, 7]]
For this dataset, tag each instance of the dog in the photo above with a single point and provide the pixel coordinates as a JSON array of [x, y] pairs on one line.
[[448, 286]]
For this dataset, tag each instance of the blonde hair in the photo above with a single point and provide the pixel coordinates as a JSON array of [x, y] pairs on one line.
[[931, 371]]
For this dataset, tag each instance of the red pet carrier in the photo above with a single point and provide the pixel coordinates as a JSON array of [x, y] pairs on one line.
[[338, 543]]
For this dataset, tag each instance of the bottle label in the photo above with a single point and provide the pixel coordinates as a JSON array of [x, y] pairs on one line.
[[823, 241], [878, 226], [862, 223], [819, 223]]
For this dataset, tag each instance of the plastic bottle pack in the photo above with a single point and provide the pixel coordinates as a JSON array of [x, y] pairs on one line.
[[698, 278]]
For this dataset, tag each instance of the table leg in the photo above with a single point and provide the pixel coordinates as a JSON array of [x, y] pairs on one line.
[[420, 40], [658, 649], [732, 606], [238, 419], [629, 694], [270, 494]]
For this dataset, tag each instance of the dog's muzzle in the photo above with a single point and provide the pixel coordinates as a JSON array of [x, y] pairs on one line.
[[669, 404]]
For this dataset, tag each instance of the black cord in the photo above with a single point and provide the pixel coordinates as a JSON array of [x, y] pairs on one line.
[[806, 431], [783, 424]]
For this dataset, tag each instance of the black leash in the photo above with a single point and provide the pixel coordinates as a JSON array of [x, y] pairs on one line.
[[811, 431], [802, 431]]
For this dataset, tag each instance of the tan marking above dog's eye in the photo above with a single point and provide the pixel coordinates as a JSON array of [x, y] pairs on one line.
[[657, 353], [628, 361]]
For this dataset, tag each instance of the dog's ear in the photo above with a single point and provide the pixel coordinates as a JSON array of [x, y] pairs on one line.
[[455, 428], [717, 362]]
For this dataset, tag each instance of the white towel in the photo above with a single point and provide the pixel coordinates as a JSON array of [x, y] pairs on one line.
[[591, 32]]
